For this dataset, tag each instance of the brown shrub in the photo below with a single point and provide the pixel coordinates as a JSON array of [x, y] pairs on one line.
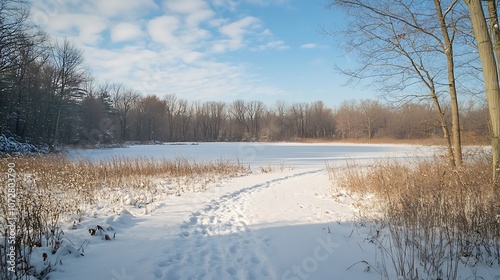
[[437, 216]]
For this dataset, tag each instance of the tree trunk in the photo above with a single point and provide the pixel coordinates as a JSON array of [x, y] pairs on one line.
[[495, 35], [444, 127], [448, 49], [490, 74], [58, 117], [495, 30]]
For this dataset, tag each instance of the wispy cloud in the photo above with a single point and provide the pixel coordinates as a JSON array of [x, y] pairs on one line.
[[86, 29], [309, 46], [167, 46], [115, 8], [122, 32], [267, 2], [234, 33], [185, 7], [162, 29], [312, 46], [278, 45]]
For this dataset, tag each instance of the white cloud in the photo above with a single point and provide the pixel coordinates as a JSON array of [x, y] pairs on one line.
[[43, 10], [309, 46], [197, 17], [185, 7], [192, 57], [172, 33], [193, 11], [162, 29], [221, 46], [267, 2], [266, 33], [223, 7], [85, 28], [235, 33], [238, 28], [313, 46], [319, 61], [232, 5], [125, 32], [177, 51], [191, 75], [118, 8], [207, 80], [278, 45], [193, 38]]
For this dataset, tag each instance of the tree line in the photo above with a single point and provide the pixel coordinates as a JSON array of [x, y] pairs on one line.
[[150, 118], [48, 96]]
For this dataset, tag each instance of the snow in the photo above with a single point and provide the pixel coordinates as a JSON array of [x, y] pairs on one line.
[[12, 146], [277, 225], [241, 230]]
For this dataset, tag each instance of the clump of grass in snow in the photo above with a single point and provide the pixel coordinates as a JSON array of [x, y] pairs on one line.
[[437, 217], [51, 188], [274, 168]]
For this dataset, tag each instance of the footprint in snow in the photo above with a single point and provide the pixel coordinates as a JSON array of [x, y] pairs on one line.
[[233, 249], [158, 274]]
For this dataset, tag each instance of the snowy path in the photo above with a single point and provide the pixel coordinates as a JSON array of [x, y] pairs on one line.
[[218, 239], [260, 226]]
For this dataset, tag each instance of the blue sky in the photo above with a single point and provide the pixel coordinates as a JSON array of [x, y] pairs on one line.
[[218, 50]]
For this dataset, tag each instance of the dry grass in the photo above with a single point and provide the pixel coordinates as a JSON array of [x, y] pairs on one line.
[[437, 218], [50, 189], [274, 168], [386, 140], [467, 139]]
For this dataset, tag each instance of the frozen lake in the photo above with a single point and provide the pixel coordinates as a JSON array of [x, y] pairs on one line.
[[259, 153]]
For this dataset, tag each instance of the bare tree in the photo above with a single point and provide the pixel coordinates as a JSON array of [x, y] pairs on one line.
[[238, 111], [123, 101], [217, 116], [23, 54], [448, 31], [320, 120], [68, 60], [412, 121], [255, 111], [185, 119], [280, 121], [372, 115], [150, 122], [30, 56], [404, 47], [298, 112], [476, 121], [174, 108], [345, 119], [485, 46], [13, 26]]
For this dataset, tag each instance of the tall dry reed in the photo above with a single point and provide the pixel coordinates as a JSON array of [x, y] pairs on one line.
[[437, 218], [49, 189]]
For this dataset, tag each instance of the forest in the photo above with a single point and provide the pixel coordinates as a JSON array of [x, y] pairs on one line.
[[48, 96]]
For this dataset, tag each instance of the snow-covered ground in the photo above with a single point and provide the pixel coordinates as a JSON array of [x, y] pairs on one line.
[[282, 224]]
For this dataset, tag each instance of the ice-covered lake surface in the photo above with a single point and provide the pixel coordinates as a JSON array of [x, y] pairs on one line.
[[259, 153]]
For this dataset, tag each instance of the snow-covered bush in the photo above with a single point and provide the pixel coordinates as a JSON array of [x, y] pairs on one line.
[[13, 146]]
